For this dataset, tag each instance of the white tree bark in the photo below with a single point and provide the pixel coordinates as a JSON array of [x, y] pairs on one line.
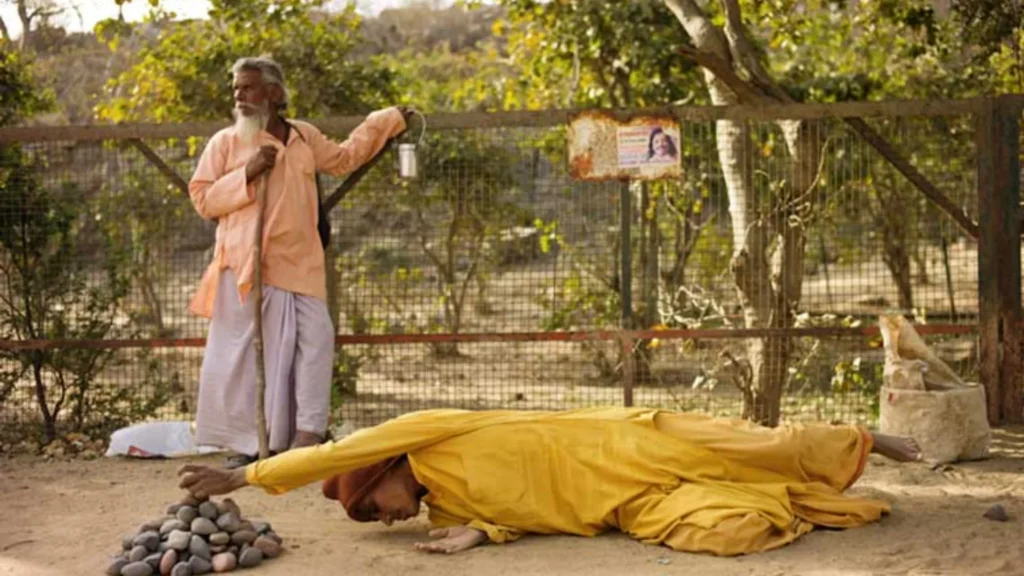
[[767, 261]]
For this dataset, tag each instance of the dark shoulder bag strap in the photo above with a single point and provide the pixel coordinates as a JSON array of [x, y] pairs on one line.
[[323, 225]]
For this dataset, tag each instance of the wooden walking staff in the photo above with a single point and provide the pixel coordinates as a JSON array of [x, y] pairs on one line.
[[257, 294], [261, 194]]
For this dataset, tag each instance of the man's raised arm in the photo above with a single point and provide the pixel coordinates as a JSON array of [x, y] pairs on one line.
[[362, 144]]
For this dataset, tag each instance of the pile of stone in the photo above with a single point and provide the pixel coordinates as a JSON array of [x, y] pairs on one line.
[[196, 538]]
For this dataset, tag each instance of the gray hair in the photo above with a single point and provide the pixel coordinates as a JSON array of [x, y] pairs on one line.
[[270, 71]]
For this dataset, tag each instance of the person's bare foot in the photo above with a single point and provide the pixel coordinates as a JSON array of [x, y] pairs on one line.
[[304, 439], [898, 448]]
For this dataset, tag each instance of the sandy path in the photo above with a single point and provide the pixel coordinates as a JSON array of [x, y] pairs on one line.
[[64, 518]]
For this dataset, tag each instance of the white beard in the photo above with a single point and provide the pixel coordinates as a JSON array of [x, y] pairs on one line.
[[248, 127]]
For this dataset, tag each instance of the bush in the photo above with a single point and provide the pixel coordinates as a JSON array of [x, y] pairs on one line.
[[48, 293]]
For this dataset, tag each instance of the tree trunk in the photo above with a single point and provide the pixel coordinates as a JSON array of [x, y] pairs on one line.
[[893, 216], [49, 419], [768, 283], [804, 140], [920, 258], [762, 307], [26, 25], [899, 266], [649, 255], [452, 310], [897, 261], [749, 264], [154, 310], [452, 317], [687, 233]]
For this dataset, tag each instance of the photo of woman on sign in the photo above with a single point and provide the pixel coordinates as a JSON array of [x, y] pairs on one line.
[[661, 148]]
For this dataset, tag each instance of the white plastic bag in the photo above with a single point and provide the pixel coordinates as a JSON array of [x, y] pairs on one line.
[[157, 440]]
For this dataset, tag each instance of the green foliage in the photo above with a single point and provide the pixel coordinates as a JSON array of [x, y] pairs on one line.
[[101, 408], [594, 53], [440, 80], [576, 304], [20, 98], [454, 215], [49, 294], [345, 376], [315, 48], [147, 216], [989, 25], [859, 377], [828, 51]]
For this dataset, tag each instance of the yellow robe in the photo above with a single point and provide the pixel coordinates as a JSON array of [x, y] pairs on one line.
[[688, 481]]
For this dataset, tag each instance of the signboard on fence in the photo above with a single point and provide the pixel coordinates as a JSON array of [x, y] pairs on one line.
[[604, 148]]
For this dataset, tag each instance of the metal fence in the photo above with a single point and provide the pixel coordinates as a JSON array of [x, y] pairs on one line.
[[495, 279]]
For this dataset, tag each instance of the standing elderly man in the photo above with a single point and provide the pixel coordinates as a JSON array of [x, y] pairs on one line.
[[298, 332]]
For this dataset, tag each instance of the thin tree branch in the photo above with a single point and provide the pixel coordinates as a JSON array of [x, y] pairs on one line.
[[698, 26], [744, 52], [470, 273], [44, 12], [724, 71], [424, 244], [792, 204]]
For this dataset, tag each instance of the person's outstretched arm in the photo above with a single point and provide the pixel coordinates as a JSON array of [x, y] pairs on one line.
[[205, 481]]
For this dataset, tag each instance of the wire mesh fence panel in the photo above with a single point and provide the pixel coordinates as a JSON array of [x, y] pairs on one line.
[[866, 242], [489, 251]]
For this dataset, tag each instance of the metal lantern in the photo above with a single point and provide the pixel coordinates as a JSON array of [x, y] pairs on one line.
[[407, 160], [407, 164]]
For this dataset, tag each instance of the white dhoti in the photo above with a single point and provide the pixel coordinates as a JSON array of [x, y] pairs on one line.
[[298, 351]]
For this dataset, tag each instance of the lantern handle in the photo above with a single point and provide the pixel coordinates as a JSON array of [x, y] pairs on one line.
[[423, 120]]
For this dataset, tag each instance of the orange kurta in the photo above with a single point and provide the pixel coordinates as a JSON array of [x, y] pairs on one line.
[[293, 257]]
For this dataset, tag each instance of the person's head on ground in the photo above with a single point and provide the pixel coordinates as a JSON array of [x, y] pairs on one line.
[[259, 93], [385, 492]]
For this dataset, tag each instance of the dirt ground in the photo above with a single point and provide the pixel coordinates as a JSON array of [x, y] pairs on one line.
[[66, 517]]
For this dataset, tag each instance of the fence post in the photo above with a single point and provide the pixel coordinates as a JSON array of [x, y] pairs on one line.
[[626, 286], [627, 344], [999, 263]]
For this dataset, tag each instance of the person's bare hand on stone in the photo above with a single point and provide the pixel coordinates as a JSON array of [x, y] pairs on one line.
[[205, 481]]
